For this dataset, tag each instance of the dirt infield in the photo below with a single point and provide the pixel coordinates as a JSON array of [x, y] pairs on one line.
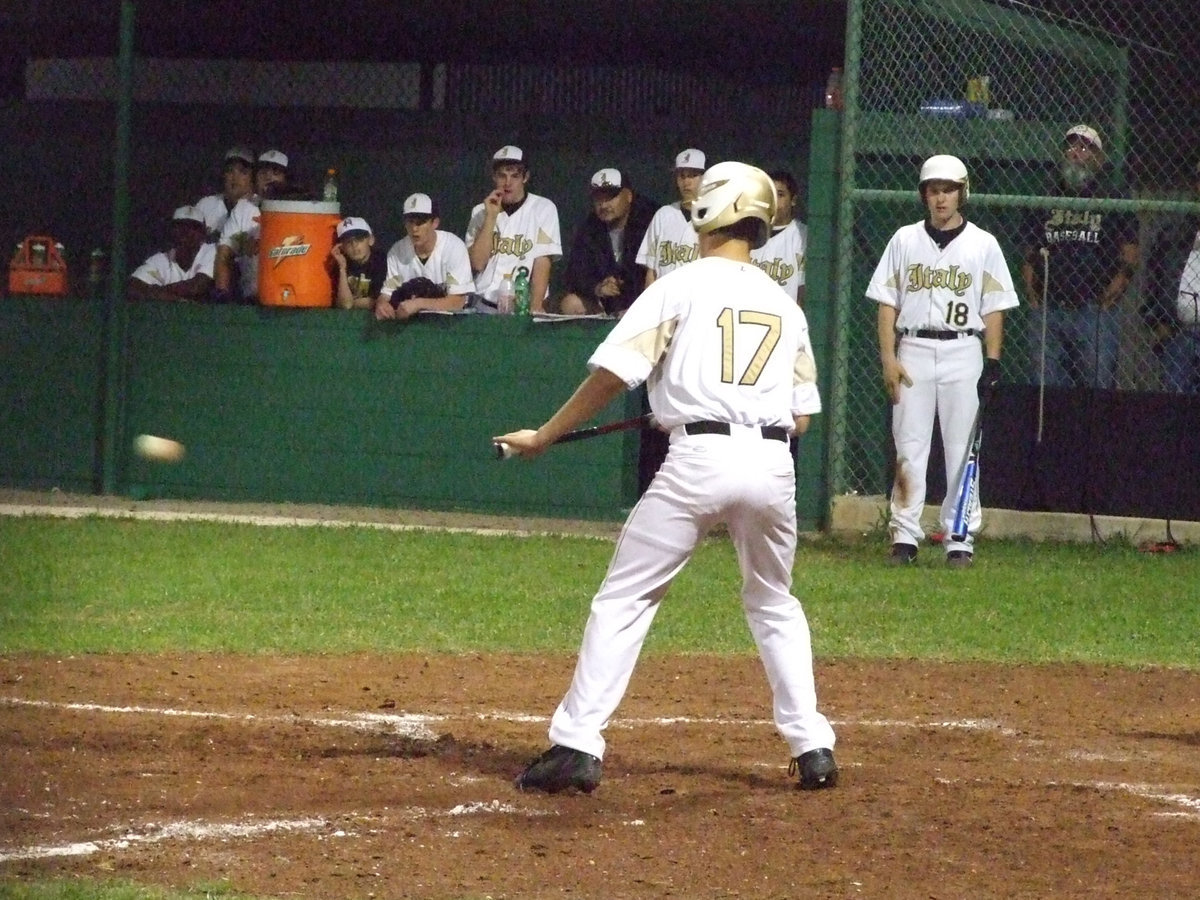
[[358, 777]]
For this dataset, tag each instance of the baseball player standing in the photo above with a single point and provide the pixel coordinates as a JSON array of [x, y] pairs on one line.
[[513, 228], [670, 241], [727, 360], [782, 256], [941, 285]]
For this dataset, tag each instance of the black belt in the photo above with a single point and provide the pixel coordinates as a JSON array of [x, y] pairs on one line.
[[935, 334], [770, 432]]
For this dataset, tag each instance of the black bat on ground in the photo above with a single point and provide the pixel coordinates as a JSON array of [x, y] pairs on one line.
[[503, 451]]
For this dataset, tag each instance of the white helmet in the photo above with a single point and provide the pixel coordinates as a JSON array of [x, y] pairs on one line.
[[945, 168], [730, 192]]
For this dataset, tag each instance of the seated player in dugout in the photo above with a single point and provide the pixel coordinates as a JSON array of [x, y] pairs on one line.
[[603, 275], [427, 269], [185, 271], [235, 273], [670, 240], [358, 270], [782, 256], [513, 228]]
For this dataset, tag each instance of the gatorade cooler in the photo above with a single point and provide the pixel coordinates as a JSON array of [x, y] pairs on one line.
[[295, 239], [38, 267]]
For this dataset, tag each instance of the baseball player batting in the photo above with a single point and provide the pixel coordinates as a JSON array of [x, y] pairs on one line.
[[726, 358], [941, 287]]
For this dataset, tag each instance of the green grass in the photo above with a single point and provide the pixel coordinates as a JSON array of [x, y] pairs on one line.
[[102, 585], [120, 585]]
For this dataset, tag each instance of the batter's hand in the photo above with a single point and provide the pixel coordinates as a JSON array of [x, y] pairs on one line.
[[522, 443], [894, 376]]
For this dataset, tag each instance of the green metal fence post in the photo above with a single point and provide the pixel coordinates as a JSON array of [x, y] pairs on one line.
[[116, 312]]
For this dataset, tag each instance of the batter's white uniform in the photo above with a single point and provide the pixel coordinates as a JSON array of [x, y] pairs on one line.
[[161, 268], [241, 232], [447, 265], [946, 293], [215, 214], [520, 238], [782, 256], [715, 341], [670, 241]]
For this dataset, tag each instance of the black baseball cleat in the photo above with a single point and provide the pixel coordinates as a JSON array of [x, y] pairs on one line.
[[959, 559], [902, 554], [560, 769], [816, 768]]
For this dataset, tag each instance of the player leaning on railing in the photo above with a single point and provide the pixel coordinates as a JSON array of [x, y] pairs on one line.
[[941, 287]]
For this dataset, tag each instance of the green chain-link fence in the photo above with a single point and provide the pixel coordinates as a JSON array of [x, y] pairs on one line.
[[1000, 85]]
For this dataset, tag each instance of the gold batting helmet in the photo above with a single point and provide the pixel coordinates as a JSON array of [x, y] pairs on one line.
[[730, 192]]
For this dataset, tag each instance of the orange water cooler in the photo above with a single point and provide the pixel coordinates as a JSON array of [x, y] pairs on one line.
[[295, 239]]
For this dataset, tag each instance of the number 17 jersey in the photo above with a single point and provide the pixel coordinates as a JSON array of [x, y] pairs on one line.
[[716, 340]]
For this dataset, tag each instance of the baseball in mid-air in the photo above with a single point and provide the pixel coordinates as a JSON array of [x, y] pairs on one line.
[[158, 449]]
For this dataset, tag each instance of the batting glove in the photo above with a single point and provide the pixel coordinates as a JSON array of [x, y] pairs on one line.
[[988, 378]]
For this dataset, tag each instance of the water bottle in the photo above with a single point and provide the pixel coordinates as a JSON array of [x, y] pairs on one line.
[[506, 297], [330, 192], [95, 271], [521, 289], [833, 89]]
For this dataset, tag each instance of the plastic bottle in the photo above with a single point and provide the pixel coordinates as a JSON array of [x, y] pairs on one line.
[[506, 297], [330, 192], [521, 289], [833, 89]]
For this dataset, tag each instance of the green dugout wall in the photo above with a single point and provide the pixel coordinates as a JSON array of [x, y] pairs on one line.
[[317, 406]]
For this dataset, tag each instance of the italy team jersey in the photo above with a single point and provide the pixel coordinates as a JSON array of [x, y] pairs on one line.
[[944, 290], [782, 257], [161, 268], [447, 265], [531, 231], [670, 241]]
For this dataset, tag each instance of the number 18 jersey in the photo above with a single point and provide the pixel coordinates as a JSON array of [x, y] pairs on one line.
[[948, 289]]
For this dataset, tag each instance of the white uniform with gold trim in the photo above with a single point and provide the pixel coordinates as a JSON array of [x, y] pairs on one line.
[[447, 265], [947, 292], [715, 341], [215, 212], [521, 237], [670, 241], [240, 233], [161, 268], [782, 256]]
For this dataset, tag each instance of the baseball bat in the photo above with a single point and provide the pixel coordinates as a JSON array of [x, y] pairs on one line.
[[1042, 364], [503, 451], [968, 481]]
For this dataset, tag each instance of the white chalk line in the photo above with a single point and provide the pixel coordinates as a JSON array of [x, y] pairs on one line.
[[412, 726], [161, 515], [417, 725], [197, 830], [153, 834]]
